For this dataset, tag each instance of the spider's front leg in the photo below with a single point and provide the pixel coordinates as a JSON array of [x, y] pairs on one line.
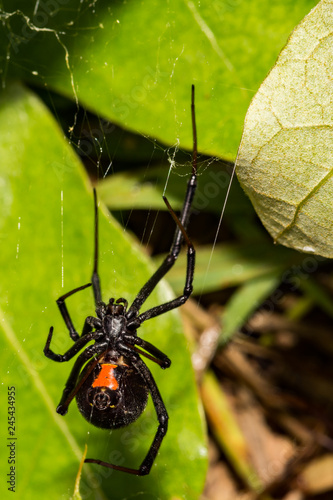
[[65, 314], [177, 302], [179, 237]]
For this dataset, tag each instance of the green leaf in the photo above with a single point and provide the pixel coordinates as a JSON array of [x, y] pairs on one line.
[[46, 225], [133, 63], [245, 301], [128, 190], [317, 294], [143, 188], [285, 157], [232, 265], [227, 430]]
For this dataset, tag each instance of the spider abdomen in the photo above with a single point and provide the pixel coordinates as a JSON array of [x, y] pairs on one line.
[[113, 395]]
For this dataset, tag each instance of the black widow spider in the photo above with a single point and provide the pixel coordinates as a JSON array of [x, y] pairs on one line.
[[112, 389]]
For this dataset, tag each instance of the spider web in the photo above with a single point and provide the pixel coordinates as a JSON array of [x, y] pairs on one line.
[[98, 131], [116, 76]]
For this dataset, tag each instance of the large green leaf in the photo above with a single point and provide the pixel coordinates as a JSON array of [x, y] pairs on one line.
[[134, 62], [46, 222], [285, 157]]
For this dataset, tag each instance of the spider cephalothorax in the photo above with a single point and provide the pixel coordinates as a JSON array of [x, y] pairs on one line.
[[115, 309], [110, 381]]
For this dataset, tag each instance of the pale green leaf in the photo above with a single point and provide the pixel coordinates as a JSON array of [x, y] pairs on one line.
[[285, 157]]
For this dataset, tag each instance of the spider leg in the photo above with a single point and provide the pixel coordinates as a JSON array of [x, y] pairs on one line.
[[169, 261], [179, 236], [95, 276], [88, 353], [72, 387], [162, 417], [155, 354], [89, 323], [65, 314], [172, 304], [95, 284], [79, 344]]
